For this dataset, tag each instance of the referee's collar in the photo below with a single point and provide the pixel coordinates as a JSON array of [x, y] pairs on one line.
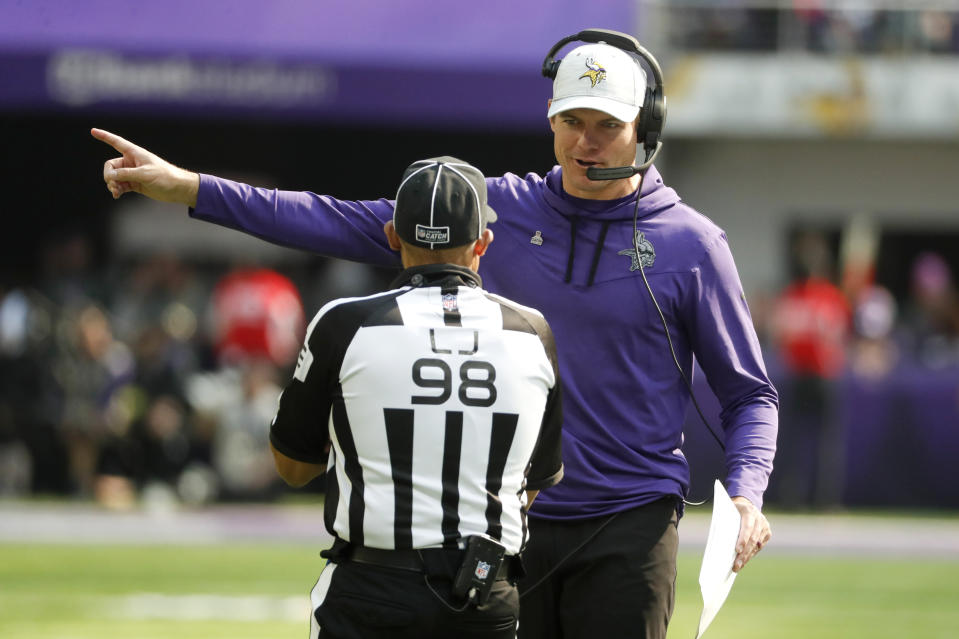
[[437, 274]]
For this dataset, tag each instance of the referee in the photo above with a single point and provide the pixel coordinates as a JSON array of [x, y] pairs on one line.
[[437, 407]]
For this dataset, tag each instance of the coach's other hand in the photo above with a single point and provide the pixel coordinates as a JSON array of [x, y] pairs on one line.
[[754, 532], [140, 171]]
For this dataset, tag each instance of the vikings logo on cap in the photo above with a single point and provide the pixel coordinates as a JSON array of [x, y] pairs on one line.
[[595, 72]]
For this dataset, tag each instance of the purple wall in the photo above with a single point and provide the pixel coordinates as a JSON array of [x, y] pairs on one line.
[[364, 61]]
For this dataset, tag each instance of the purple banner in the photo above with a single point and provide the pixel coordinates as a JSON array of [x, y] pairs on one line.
[[365, 61]]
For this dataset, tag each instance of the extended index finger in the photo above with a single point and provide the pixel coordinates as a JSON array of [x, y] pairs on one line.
[[118, 143]]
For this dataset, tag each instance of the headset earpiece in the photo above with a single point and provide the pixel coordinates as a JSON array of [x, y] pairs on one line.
[[652, 117], [550, 67], [551, 64]]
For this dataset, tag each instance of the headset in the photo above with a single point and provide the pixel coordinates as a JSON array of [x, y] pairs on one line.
[[652, 115]]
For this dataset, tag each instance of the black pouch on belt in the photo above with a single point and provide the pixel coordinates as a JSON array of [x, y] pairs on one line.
[[481, 563], [336, 552]]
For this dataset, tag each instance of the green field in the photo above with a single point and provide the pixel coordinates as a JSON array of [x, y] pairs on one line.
[[193, 592]]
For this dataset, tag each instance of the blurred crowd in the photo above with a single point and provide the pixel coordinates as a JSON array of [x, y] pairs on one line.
[[156, 379], [833, 322], [813, 26], [153, 380], [831, 319]]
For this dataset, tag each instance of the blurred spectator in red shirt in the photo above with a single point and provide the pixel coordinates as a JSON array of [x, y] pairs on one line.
[[257, 314], [810, 326], [258, 328]]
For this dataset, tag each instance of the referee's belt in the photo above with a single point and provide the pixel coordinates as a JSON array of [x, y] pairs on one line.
[[423, 560]]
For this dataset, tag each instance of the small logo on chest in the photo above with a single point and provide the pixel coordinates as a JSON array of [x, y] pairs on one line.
[[646, 256]]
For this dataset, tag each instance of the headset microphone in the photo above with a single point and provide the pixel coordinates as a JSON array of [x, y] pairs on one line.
[[623, 172], [615, 173]]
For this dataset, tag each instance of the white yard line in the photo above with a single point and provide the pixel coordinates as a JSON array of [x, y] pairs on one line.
[[84, 523], [835, 534], [207, 607], [43, 522]]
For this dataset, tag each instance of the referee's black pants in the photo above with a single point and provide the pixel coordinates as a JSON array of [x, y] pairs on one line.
[[353, 600], [621, 584]]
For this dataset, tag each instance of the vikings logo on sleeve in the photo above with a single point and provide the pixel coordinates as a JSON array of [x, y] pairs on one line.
[[595, 72]]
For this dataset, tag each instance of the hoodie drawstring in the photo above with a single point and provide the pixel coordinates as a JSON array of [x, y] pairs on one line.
[[601, 242], [573, 222], [596, 254]]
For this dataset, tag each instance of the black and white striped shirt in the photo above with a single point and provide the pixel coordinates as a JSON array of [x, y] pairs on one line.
[[436, 405]]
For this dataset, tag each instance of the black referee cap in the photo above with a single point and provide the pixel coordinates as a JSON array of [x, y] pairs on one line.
[[441, 203]]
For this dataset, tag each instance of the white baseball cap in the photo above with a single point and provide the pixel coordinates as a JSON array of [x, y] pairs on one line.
[[601, 77]]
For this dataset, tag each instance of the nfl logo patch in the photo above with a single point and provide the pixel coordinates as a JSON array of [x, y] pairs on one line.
[[449, 303], [433, 234], [482, 570]]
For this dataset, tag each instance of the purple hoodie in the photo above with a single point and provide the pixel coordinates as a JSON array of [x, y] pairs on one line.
[[624, 402]]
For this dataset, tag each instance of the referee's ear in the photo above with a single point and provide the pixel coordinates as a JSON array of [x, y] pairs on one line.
[[392, 236], [479, 248]]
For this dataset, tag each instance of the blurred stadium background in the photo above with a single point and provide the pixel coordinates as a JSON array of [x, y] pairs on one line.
[[141, 353]]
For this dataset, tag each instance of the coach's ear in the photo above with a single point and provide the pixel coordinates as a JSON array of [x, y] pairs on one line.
[[391, 235]]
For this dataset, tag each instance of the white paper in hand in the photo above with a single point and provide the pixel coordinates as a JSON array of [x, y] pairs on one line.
[[716, 576]]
